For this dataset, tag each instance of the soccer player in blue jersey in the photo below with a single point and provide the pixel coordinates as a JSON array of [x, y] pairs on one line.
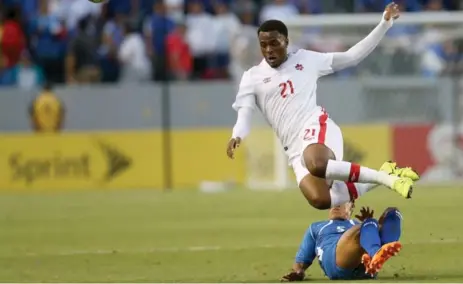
[[348, 249]]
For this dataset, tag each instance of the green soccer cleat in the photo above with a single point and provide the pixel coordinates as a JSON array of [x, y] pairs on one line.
[[392, 169], [404, 187]]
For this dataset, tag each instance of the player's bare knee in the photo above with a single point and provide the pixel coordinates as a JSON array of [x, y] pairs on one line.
[[316, 165], [316, 192], [320, 203], [316, 159]]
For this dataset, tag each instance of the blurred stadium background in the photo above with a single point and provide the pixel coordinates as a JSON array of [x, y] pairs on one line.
[[117, 172]]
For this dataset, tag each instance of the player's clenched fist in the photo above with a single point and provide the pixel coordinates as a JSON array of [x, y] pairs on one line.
[[232, 145], [391, 11]]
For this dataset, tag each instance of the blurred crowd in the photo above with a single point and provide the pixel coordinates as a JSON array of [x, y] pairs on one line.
[[77, 41]]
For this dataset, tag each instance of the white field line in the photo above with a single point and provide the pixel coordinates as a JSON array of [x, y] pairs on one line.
[[203, 248]]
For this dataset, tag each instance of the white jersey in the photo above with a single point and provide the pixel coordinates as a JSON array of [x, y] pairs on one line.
[[286, 95]]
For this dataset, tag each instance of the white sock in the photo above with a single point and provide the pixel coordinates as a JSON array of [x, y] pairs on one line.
[[342, 192], [350, 172]]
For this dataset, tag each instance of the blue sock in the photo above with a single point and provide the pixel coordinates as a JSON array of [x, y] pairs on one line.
[[369, 236], [392, 227]]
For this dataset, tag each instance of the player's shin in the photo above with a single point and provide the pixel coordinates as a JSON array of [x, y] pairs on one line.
[[391, 226], [342, 192], [370, 240], [350, 172]]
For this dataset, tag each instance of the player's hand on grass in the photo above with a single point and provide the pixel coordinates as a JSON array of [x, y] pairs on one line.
[[391, 11], [232, 145], [365, 213], [293, 276]]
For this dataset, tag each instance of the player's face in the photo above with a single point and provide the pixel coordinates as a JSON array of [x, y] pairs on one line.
[[273, 46], [343, 211]]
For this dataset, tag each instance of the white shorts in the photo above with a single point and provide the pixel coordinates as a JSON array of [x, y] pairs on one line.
[[318, 130]]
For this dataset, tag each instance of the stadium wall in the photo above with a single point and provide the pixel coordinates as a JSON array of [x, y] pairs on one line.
[[112, 136]]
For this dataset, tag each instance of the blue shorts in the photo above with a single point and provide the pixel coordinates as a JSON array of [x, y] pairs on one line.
[[334, 272]]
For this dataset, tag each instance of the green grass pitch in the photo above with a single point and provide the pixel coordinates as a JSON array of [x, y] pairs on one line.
[[239, 236]]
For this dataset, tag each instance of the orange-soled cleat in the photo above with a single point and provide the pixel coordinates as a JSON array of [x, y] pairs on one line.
[[385, 252], [366, 259]]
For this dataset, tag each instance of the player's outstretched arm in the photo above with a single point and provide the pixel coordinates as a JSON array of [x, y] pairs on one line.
[[244, 105], [304, 258], [363, 48]]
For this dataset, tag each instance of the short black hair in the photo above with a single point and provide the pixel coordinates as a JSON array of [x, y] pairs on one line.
[[273, 25]]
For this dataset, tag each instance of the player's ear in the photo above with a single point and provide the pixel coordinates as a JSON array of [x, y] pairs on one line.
[[286, 42]]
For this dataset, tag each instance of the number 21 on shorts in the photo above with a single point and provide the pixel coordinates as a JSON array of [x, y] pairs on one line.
[[286, 88], [309, 134]]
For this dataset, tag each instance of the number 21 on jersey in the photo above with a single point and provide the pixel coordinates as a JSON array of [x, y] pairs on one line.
[[286, 88]]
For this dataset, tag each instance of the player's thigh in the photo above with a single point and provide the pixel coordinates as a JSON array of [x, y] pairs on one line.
[[312, 187], [326, 133], [349, 251]]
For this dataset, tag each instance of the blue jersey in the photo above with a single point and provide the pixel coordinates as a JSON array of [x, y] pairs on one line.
[[320, 241]]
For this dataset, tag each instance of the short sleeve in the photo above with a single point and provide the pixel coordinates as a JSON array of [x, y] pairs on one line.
[[245, 96], [321, 61]]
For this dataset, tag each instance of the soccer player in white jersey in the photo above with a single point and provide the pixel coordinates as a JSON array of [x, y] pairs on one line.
[[283, 87]]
